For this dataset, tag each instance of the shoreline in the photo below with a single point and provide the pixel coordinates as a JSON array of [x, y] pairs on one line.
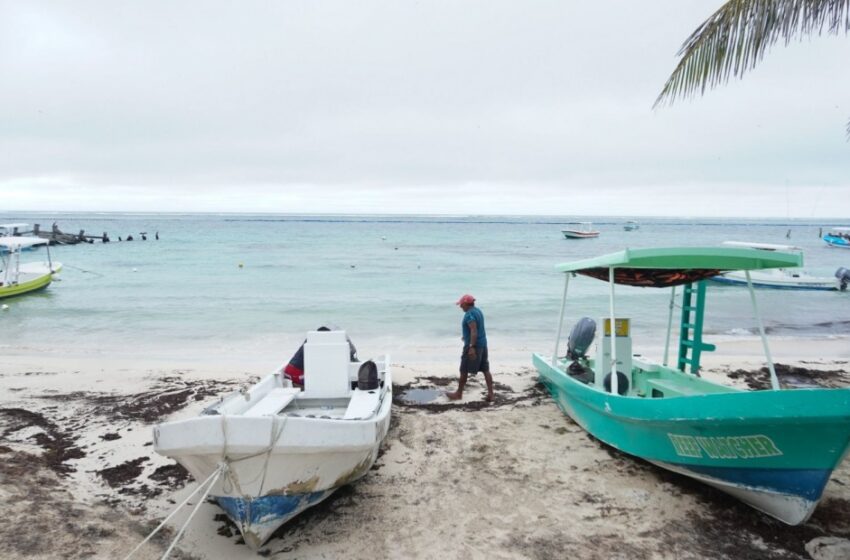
[[517, 479]]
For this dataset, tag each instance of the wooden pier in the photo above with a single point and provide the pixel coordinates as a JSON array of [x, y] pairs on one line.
[[58, 237]]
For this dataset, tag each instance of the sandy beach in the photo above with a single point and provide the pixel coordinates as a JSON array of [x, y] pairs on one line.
[[515, 479]]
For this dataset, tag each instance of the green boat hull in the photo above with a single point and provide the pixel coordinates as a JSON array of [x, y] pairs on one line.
[[775, 450], [21, 288]]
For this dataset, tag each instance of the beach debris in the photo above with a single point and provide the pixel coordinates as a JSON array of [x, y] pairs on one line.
[[792, 377], [828, 548]]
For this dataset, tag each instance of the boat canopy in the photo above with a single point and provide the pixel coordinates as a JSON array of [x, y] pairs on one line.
[[13, 226], [12, 242], [659, 267]]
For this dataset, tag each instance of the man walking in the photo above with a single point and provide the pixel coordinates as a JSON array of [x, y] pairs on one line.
[[474, 356]]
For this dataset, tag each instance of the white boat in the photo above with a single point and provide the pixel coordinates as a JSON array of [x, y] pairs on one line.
[[838, 237], [579, 230], [17, 278], [783, 278], [13, 230], [631, 225], [274, 450]]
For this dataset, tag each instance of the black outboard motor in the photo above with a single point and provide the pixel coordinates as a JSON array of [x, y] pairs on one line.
[[367, 376], [580, 338], [843, 276]]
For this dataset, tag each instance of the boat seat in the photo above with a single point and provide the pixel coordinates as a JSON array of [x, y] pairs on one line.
[[673, 388], [273, 402], [362, 404], [645, 365]]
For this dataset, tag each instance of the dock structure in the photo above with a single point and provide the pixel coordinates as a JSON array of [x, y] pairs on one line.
[[56, 236], [59, 237]]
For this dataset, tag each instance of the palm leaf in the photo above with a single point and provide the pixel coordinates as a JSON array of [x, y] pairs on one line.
[[737, 36]]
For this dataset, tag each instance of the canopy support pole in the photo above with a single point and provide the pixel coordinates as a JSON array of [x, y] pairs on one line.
[[614, 380], [669, 325], [774, 381], [561, 320]]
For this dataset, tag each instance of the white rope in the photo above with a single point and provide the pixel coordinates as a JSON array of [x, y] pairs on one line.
[[218, 472], [173, 513], [273, 438]]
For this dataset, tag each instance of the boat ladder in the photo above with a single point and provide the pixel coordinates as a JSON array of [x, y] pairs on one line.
[[691, 345]]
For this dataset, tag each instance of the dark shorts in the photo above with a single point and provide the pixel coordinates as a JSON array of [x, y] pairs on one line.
[[473, 366]]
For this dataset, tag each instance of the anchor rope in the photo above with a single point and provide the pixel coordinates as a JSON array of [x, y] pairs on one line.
[[83, 270], [218, 472], [215, 473]]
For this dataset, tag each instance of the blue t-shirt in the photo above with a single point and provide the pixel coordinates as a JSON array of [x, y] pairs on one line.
[[474, 315]]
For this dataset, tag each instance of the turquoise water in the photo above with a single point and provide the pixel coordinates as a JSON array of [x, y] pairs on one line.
[[387, 280]]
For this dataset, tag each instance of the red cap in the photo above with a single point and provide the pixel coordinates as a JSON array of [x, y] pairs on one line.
[[465, 298]]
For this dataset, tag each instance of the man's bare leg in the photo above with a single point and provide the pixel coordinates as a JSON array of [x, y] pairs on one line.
[[460, 386], [489, 379]]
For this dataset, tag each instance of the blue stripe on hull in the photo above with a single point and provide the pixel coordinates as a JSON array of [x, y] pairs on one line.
[[804, 483], [258, 518]]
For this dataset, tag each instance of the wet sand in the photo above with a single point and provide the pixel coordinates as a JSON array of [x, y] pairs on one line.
[[512, 479]]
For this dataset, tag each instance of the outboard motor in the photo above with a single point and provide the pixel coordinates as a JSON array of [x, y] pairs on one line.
[[843, 276], [580, 338], [367, 376]]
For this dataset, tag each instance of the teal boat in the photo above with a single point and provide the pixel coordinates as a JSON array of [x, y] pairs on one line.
[[774, 450]]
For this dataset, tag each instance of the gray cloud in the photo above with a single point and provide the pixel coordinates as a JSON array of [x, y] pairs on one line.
[[404, 107]]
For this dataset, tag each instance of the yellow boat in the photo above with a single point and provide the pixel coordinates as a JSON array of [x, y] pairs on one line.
[[18, 278]]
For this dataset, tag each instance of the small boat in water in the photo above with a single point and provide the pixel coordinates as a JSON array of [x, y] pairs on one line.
[[580, 230], [631, 226], [274, 450], [774, 450], [17, 278], [838, 237], [783, 278]]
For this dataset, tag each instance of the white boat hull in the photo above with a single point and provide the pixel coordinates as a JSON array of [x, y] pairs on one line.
[[580, 234], [788, 508], [780, 279]]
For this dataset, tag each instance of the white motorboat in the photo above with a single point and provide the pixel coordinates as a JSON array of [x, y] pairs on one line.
[[273, 450], [783, 278], [631, 225], [18, 278], [579, 230]]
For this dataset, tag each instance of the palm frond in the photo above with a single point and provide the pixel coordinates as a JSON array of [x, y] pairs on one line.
[[737, 36]]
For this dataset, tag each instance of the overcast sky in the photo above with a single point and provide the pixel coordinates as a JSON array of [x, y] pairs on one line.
[[487, 107]]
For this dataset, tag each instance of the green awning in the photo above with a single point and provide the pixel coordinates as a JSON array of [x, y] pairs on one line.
[[689, 259]]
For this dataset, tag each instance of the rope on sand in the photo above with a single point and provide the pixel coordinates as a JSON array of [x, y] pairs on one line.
[[213, 477]]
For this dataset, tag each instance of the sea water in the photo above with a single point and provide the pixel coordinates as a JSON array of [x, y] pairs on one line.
[[231, 285]]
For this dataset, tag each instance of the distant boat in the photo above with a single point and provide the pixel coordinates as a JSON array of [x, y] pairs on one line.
[[580, 230], [273, 450], [12, 230], [631, 225], [9, 230], [774, 450], [17, 278], [838, 237], [782, 278]]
